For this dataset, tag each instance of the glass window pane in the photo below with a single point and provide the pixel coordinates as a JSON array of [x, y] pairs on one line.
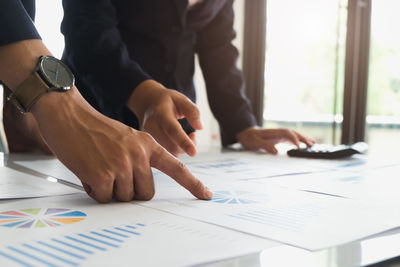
[[383, 107], [305, 66]]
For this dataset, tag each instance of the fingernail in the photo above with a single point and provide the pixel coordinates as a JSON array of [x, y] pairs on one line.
[[191, 151], [200, 124], [209, 194]]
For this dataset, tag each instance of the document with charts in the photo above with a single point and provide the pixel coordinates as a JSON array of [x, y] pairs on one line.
[[302, 219], [76, 230]]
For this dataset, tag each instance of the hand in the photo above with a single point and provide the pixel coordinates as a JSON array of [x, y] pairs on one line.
[[256, 138], [159, 109], [110, 158], [22, 131]]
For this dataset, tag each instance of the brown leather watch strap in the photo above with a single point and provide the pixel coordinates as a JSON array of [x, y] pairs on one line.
[[30, 91]]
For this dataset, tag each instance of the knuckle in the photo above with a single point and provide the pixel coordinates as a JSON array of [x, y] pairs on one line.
[[147, 195], [171, 128], [103, 199], [140, 156], [173, 149], [124, 196], [178, 153], [146, 137], [124, 162], [102, 196], [195, 110], [181, 167], [185, 142]]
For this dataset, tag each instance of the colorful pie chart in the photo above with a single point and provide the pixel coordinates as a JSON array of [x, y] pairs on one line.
[[40, 217]]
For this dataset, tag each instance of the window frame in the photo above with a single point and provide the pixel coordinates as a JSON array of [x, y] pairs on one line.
[[356, 64]]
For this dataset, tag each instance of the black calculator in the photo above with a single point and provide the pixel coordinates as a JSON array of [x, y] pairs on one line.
[[325, 151]]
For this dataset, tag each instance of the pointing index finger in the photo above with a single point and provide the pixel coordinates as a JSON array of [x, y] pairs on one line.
[[168, 164]]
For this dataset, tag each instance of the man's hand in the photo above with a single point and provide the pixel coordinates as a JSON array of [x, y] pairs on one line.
[[110, 158], [22, 131], [159, 109], [255, 138]]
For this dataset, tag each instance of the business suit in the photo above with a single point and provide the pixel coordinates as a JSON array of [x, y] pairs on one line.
[[16, 18], [114, 45]]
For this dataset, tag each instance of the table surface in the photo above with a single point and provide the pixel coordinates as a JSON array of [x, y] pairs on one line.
[[380, 250]]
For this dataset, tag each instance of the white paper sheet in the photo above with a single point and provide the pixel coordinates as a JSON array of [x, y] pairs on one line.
[[116, 234], [14, 184], [374, 185], [356, 163], [242, 202], [247, 165], [235, 165], [46, 165], [306, 220]]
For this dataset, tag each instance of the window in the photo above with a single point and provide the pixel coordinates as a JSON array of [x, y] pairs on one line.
[[304, 67], [307, 77], [383, 106]]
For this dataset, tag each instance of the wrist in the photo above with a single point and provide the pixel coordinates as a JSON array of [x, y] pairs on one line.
[[53, 103], [241, 134]]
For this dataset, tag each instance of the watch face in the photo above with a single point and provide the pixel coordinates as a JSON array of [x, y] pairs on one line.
[[56, 73]]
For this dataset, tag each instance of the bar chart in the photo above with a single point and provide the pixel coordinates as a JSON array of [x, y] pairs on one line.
[[72, 249]]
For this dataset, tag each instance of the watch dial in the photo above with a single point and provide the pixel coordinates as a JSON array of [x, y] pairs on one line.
[[57, 73]]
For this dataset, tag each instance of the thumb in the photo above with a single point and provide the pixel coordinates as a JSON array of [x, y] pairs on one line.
[[189, 110]]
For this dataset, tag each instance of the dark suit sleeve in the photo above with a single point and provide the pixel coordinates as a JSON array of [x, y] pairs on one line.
[[224, 81], [15, 22], [95, 50]]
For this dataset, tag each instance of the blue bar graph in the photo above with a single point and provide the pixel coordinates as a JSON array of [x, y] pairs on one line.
[[291, 218], [70, 250]]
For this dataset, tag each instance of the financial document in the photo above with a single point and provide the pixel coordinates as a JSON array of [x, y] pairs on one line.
[[312, 204], [307, 220], [247, 165], [75, 230]]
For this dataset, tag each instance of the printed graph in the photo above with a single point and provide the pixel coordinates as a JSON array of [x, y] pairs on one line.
[[71, 249], [40, 217], [290, 218], [238, 197]]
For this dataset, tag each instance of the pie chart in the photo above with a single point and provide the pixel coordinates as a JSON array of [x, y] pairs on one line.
[[40, 217], [238, 197]]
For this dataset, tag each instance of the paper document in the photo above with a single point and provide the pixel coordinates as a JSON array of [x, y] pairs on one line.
[[307, 220], [46, 165], [247, 165], [14, 184], [235, 165], [355, 163], [75, 230], [374, 185]]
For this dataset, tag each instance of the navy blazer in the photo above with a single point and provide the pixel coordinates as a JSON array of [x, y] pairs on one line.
[[114, 45], [16, 21]]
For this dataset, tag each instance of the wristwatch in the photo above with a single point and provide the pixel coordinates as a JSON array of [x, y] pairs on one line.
[[50, 75]]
